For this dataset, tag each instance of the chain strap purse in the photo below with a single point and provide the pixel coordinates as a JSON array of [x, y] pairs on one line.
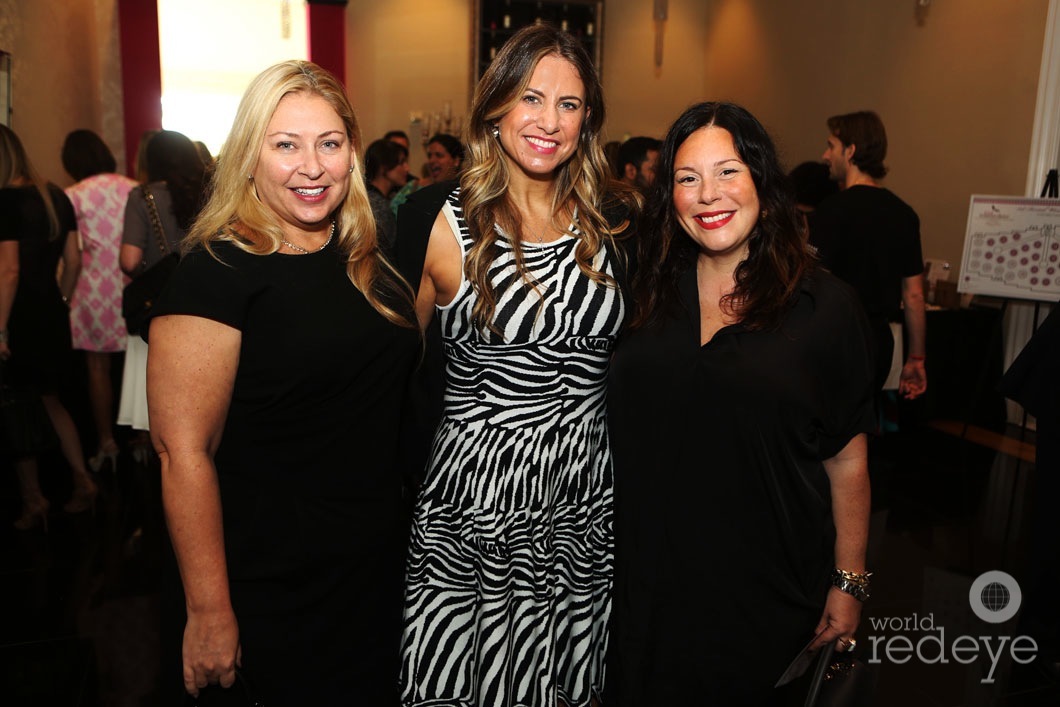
[[140, 295]]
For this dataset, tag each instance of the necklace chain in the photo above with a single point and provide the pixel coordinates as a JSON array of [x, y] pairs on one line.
[[303, 251]]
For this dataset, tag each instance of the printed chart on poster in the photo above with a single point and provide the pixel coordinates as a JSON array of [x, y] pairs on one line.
[[1012, 248]]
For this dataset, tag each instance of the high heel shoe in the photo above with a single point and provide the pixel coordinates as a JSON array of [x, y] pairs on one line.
[[107, 453], [141, 452], [34, 513], [83, 498]]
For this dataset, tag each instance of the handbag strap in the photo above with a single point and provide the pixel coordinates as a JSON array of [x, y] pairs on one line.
[[156, 220]]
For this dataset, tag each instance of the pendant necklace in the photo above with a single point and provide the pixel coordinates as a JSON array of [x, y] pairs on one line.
[[304, 251]]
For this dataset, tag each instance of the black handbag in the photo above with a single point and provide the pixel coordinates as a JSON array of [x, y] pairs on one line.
[[26, 428], [140, 295], [840, 680]]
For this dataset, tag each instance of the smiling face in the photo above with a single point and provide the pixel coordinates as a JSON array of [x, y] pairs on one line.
[[714, 195], [442, 165], [303, 169], [542, 131]]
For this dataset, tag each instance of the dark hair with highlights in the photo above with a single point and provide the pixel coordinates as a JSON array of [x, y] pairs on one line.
[[579, 183], [768, 280]]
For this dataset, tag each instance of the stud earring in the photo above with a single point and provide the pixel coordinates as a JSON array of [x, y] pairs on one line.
[[351, 169], [496, 132]]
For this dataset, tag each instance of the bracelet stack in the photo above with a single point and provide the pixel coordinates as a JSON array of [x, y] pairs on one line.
[[856, 584]]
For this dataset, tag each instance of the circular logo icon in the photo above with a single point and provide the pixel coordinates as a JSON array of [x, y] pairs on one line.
[[995, 596]]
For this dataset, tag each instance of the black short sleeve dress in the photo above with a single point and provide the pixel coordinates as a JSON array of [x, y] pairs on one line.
[[723, 527], [39, 322], [313, 520]]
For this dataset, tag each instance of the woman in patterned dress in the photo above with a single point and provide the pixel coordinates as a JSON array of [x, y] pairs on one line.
[[96, 324], [509, 573]]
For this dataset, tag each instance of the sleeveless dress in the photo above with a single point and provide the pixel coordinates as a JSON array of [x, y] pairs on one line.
[[511, 556], [96, 323]]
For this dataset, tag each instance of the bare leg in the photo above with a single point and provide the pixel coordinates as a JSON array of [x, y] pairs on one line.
[[101, 395], [84, 488], [34, 504]]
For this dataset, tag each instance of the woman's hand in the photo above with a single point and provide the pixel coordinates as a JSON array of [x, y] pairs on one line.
[[913, 380], [839, 622], [211, 650]]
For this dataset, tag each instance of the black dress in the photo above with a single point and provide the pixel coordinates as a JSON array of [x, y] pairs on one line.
[[723, 527], [313, 519], [39, 323]]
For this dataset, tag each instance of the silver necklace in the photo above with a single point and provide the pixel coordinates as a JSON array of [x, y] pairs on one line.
[[303, 251]]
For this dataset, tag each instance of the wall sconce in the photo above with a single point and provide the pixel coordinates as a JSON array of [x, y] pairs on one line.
[[443, 122], [921, 13], [659, 13]]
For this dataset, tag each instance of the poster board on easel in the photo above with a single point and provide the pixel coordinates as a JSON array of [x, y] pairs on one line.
[[1012, 248]]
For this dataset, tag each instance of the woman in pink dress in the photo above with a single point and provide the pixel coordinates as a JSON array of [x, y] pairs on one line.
[[96, 323]]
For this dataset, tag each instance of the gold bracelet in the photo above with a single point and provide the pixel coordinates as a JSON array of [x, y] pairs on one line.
[[856, 584]]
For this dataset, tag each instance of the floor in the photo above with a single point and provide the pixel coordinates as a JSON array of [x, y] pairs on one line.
[[79, 604]]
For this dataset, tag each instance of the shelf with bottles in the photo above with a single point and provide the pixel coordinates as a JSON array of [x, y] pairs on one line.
[[497, 20]]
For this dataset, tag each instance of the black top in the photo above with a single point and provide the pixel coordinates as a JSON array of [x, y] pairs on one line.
[[723, 527], [39, 323], [309, 486], [385, 223], [870, 239]]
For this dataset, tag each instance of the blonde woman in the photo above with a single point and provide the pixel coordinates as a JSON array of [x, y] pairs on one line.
[[509, 575], [275, 364]]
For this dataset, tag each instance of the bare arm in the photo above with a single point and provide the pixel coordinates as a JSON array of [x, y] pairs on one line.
[[191, 368], [442, 271], [913, 380], [848, 477], [8, 287], [71, 265], [130, 258]]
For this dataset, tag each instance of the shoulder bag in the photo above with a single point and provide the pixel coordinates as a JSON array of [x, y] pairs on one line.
[[140, 295]]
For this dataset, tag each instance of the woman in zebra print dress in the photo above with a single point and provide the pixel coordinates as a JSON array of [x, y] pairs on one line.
[[510, 566]]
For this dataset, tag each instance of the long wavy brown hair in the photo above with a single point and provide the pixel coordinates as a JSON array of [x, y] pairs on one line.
[[768, 280], [580, 182], [234, 213]]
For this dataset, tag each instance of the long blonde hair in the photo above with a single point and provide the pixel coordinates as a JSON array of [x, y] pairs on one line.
[[581, 181], [234, 213], [15, 168]]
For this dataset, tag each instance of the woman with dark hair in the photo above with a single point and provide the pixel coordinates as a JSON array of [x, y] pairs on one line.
[[176, 182], [96, 323], [738, 405], [509, 574], [38, 230], [445, 159], [386, 167]]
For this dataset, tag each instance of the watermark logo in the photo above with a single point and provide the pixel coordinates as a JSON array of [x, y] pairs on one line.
[[994, 598]]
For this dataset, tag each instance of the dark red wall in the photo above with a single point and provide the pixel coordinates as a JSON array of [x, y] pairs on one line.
[[141, 73]]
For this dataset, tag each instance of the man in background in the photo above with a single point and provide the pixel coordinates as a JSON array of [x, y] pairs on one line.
[[637, 159], [870, 238]]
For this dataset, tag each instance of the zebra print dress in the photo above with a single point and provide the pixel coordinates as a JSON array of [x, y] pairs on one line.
[[511, 561]]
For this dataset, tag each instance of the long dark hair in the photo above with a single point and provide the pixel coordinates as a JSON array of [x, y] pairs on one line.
[[768, 280], [173, 158]]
